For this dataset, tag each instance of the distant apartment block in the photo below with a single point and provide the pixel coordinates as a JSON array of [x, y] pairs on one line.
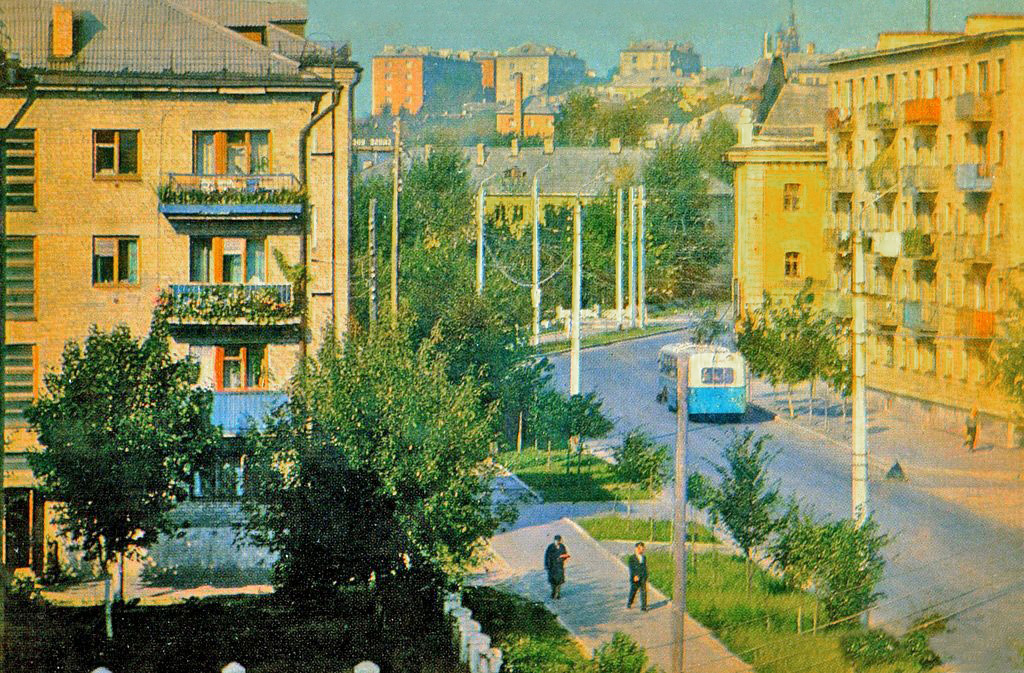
[[526, 117], [651, 56], [412, 80], [166, 162], [547, 71], [925, 155]]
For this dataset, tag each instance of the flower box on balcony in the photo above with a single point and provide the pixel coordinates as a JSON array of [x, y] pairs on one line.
[[224, 304], [189, 196], [917, 245]]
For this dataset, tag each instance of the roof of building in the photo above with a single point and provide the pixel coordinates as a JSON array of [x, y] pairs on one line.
[[646, 79], [532, 105], [659, 45], [147, 37], [238, 13], [804, 62], [531, 49], [797, 112]]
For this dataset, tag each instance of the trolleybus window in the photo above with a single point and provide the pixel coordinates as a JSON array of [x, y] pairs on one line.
[[716, 375]]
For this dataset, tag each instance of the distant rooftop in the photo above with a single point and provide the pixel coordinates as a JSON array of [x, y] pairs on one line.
[[237, 13], [531, 49], [409, 50], [155, 37], [798, 113], [532, 105], [659, 45], [664, 79]]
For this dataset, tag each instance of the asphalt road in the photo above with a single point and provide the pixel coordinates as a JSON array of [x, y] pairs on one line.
[[942, 558]]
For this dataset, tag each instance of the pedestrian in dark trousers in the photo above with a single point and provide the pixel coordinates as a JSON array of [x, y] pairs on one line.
[[638, 577], [554, 563], [971, 430]]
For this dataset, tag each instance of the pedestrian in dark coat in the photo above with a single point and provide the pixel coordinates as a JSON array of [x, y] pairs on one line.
[[554, 563], [638, 577]]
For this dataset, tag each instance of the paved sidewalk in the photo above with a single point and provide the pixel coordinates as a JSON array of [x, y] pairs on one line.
[[990, 482], [593, 604]]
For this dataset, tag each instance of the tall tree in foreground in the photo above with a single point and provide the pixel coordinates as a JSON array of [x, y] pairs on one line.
[[744, 499], [122, 429], [375, 475]]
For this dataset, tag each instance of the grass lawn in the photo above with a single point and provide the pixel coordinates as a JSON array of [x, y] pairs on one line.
[[760, 627], [263, 633], [530, 637], [547, 475], [614, 527], [605, 338]]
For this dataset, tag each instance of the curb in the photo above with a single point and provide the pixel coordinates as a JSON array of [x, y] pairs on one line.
[[560, 351]]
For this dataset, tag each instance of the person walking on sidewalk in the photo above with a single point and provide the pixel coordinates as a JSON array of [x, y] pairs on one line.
[[554, 563], [971, 430], [638, 577]]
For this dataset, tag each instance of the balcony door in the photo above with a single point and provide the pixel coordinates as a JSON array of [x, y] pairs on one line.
[[231, 152], [221, 259]]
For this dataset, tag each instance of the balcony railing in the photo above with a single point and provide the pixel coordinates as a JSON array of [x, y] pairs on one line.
[[840, 305], [880, 116], [976, 324], [974, 250], [917, 245], [842, 180], [922, 179], [191, 195], [228, 304], [920, 317], [883, 311], [887, 243], [974, 177], [237, 412], [839, 119], [971, 107], [922, 112]]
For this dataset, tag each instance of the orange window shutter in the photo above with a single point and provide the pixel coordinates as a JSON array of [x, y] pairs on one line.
[[217, 249], [218, 368], [220, 150]]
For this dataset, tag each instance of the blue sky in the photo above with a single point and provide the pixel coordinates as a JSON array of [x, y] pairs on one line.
[[725, 32]]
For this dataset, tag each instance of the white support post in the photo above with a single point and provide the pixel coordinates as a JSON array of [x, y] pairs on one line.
[[366, 667]]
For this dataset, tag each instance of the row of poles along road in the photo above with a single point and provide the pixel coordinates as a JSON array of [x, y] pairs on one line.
[[636, 308]]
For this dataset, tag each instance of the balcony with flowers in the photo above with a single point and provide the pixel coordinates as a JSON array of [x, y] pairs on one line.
[[190, 197], [228, 304]]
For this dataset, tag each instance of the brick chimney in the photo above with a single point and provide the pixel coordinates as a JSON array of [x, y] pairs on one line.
[[615, 146], [517, 104], [62, 36], [549, 146], [481, 154]]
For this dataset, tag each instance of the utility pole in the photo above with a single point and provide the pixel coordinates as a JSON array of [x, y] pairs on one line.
[[577, 298], [535, 266], [396, 188], [481, 211], [679, 515], [618, 257], [632, 257], [859, 484], [371, 254], [642, 257], [928, 15]]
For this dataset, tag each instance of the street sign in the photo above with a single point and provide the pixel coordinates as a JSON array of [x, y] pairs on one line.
[[373, 144]]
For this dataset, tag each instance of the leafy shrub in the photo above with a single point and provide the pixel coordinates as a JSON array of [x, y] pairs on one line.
[[876, 647], [620, 655]]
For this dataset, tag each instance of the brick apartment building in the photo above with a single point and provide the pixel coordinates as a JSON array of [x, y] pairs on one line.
[[150, 129], [412, 80]]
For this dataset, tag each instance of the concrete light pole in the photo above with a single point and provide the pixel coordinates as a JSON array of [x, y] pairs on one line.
[[481, 215], [535, 295], [642, 257], [618, 258], [679, 515], [632, 257], [371, 253], [396, 179], [859, 483], [577, 297]]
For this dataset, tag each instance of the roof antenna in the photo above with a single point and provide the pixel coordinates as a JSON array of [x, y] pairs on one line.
[[928, 15]]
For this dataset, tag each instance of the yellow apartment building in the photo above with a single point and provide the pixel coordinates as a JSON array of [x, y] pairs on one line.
[[923, 155], [780, 196], [547, 71], [167, 161]]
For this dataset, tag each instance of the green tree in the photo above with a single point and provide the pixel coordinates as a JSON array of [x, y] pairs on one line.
[[745, 500], [122, 429], [840, 560], [683, 247], [376, 473], [576, 123], [641, 461], [718, 137], [709, 329], [1007, 371]]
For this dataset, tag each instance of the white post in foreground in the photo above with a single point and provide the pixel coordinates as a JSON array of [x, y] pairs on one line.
[[641, 254], [679, 515], [632, 258], [535, 263], [480, 214], [859, 483], [618, 258], [577, 299]]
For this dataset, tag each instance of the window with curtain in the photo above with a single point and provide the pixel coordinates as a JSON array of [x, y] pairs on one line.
[[227, 260], [115, 261], [239, 152], [242, 367]]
